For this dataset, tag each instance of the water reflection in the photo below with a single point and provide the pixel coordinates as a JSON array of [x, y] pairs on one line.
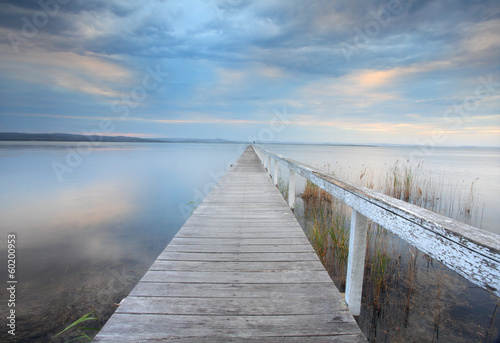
[[65, 211], [87, 241]]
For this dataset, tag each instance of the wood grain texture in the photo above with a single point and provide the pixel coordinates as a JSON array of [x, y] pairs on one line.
[[221, 266], [243, 257], [123, 327], [239, 270]]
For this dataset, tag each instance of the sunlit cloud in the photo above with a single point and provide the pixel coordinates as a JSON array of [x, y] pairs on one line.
[[201, 119], [91, 74], [379, 78], [375, 78], [483, 129], [355, 91], [482, 36], [230, 77], [271, 72]]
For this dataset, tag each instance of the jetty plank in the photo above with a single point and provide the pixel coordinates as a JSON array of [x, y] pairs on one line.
[[239, 270], [224, 257], [205, 266]]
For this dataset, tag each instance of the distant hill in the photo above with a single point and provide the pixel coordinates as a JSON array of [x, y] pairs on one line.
[[194, 140], [67, 137]]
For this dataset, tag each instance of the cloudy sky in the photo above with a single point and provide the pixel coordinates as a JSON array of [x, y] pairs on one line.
[[407, 72]]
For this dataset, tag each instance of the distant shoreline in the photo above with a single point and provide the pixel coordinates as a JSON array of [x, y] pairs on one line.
[[67, 137], [74, 138]]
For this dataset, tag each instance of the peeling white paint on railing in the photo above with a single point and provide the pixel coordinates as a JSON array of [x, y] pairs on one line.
[[471, 252]]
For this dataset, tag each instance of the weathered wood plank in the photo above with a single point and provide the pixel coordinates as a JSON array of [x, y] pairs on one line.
[[225, 206], [244, 213], [241, 225], [218, 266], [276, 198], [217, 201], [310, 292], [247, 233], [228, 306], [234, 248], [248, 257], [272, 339], [219, 328], [248, 219], [239, 241], [284, 276]]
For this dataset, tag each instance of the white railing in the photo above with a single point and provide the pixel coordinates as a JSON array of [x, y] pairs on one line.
[[471, 252]]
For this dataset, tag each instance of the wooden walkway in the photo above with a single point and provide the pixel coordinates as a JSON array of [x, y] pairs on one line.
[[240, 269]]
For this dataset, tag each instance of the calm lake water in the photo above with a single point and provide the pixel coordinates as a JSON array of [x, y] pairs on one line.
[[86, 241]]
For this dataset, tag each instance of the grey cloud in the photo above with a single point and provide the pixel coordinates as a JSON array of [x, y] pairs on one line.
[[117, 8], [303, 37]]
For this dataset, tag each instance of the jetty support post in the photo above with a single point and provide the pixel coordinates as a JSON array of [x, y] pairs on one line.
[[356, 262], [291, 189], [276, 171]]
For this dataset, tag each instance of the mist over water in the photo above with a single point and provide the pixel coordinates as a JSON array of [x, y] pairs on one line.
[[85, 242]]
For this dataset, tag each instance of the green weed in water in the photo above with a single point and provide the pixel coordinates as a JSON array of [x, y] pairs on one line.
[[81, 330]]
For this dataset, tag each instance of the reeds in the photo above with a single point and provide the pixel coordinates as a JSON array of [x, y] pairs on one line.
[[391, 264], [283, 187], [412, 184], [328, 232], [312, 191]]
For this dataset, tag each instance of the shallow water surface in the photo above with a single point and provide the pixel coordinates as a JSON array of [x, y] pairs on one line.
[[86, 241]]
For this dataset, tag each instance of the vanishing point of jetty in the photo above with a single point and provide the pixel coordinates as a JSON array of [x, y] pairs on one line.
[[242, 269]]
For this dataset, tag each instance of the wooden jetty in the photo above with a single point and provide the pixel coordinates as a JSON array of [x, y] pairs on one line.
[[240, 269]]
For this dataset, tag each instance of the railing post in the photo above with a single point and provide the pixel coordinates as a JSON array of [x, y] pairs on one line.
[[291, 189], [269, 164], [276, 171], [356, 262]]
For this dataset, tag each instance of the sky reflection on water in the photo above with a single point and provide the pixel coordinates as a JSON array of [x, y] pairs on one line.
[[86, 241]]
